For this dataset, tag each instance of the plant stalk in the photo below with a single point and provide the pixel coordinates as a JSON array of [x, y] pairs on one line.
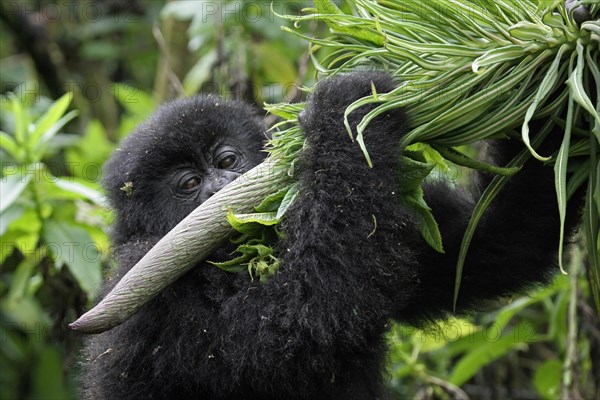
[[192, 240]]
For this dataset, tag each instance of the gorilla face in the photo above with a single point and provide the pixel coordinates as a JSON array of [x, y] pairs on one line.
[[187, 151], [197, 182]]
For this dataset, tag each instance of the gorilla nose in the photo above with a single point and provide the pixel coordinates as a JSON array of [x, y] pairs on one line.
[[218, 185], [223, 180]]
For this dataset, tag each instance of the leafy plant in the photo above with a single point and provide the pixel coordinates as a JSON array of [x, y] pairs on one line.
[[529, 333], [51, 249], [476, 70]]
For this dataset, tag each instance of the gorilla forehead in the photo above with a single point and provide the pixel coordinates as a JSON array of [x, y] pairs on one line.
[[182, 130], [194, 124]]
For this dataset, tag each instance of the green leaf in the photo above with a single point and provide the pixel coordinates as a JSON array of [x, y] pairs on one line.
[[429, 154], [553, 20], [9, 215], [272, 202], [70, 185], [10, 146], [490, 192], [481, 356], [25, 269], [25, 312], [22, 119], [235, 265], [256, 249], [256, 258], [560, 182], [28, 222], [530, 31], [412, 172], [560, 170], [360, 128], [267, 218], [461, 113], [11, 187], [577, 89], [86, 157], [39, 147], [47, 378], [543, 90], [459, 158], [287, 201], [49, 119], [285, 111], [73, 246], [327, 8], [427, 224], [200, 72], [593, 67], [280, 68], [506, 313], [22, 233], [547, 379], [497, 56], [251, 224]]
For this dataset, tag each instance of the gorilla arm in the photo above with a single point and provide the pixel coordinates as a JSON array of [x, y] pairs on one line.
[[514, 246], [318, 322]]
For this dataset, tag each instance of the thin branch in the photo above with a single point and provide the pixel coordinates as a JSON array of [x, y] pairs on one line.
[[167, 63], [456, 391]]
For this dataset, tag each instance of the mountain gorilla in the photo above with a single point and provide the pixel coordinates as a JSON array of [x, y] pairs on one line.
[[352, 257]]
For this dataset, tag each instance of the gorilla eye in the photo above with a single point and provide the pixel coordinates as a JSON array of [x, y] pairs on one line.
[[227, 162], [189, 183]]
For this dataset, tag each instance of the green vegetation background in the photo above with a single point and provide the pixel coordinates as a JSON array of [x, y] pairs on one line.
[[116, 60]]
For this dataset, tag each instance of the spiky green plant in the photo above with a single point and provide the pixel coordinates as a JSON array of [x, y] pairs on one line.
[[474, 70], [471, 70]]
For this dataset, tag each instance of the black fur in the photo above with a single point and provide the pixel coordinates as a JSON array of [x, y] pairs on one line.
[[352, 260]]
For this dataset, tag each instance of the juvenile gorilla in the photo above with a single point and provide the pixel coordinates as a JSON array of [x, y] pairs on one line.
[[316, 329]]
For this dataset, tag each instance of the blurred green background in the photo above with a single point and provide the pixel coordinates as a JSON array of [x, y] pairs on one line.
[[110, 63]]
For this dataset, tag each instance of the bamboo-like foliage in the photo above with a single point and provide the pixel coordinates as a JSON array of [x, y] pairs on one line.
[[474, 70]]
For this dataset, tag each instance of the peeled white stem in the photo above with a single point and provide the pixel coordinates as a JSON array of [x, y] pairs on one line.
[[192, 240]]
